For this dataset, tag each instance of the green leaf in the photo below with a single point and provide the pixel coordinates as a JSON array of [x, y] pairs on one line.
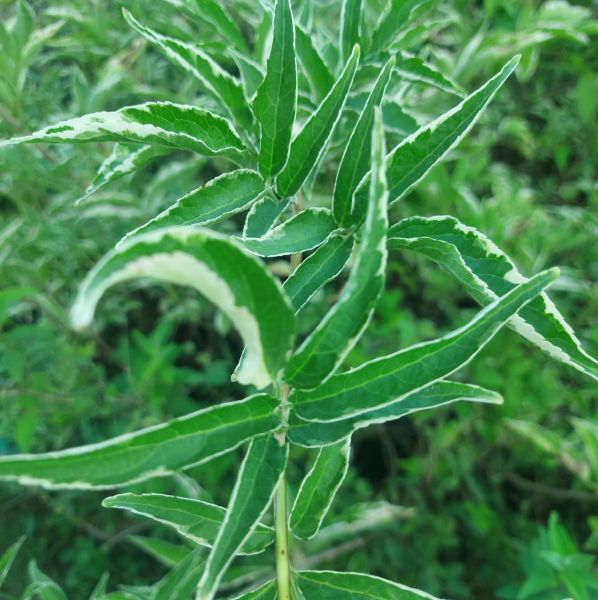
[[392, 22], [304, 231], [214, 201], [152, 452], [167, 553], [318, 489], [99, 591], [397, 120], [315, 69], [160, 123], [123, 161], [355, 162], [488, 273], [264, 592], [413, 158], [275, 103], [220, 270], [311, 434], [180, 581], [196, 520], [251, 73], [330, 585], [413, 68], [350, 27], [318, 269], [8, 557], [42, 586], [325, 348], [379, 382], [263, 215], [258, 477], [225, 88], [311, 142]]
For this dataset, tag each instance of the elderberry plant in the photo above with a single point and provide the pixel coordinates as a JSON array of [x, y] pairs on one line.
[[281, 106]]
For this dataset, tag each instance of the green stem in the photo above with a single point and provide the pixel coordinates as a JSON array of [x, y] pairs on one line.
[[283, 568]]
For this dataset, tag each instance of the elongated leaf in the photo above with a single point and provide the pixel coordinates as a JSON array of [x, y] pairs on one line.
[[8, 557], [251, 73], [413, 158], [42, 586], [99, 591], [413, 68], [193, 59], [221, 271], [263, 215], [264, 592], [167, 553], [218, 199], [326, 347], [397, 120], [160, 123], [329, 585], [275, 103], [196, 520], [384, 380], [180, 581], [311, 142], [318, 489], [305, 231], [350, 26], [394, 20], [488, 274], [123, 161], [355, 162], [315, 69], [258, 477], [318, 269], [152, 452], [311, 434]]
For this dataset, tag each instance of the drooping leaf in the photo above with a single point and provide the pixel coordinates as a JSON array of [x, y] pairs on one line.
[[382, 381], [223, 86], [258, 477], [123, 161], [305, 231], [152, 452], [315, 69], [488, 273], [263, 215], [317, 269], [413, 68], [160, 123], [8, 557], [312, 434], [275, 103], [180, 581], [393, 21], [330, 585], [355, 162], [196, 520], [310, 143], [413, 158], [350, 27], [220, 270], [325, 348], [318, 489], [218, 199]]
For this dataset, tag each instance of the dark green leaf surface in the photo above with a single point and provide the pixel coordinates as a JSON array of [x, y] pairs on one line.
[[318, 269], [413, 68], [394, 20], [196, 520], [330, 585], [275, 103], [351, 14], [263, 215], [318, 489], [264, 592], [8, 557], [153, 452], [313, 66], [326, 347], [356, 159], [382, 381], [311, 142], [160, 123], [312, 434], [217, 268], [260, 472], [180, 581], [305, 231]]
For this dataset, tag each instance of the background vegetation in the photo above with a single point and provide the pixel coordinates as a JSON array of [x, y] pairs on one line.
[[495, 505]]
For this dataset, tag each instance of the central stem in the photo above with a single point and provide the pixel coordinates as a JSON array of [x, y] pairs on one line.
[[283, 568]]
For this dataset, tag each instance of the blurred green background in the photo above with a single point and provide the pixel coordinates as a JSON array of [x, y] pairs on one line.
[[500, 502]]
